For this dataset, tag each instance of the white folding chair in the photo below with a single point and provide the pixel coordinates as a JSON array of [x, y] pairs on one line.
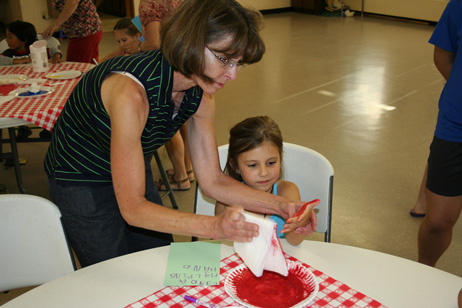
[[309, 170], [314, 176], [34, 246], [204, 205]]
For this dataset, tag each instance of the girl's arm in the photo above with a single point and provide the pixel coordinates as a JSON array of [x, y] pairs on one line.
[[23, 60], [57, 58], [290, 191], [128, 109], [115, 53]]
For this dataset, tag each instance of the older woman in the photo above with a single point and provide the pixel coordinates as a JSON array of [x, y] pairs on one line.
[[127, 107]]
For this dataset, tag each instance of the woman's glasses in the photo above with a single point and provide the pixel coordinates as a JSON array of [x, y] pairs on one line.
[[227, 63]]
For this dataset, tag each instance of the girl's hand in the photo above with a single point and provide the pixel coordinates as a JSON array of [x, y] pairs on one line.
[[57, 59], [231, 225], [304, 221]]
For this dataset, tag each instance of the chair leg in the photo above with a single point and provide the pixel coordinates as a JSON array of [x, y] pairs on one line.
[[164, 176], [17, 168]]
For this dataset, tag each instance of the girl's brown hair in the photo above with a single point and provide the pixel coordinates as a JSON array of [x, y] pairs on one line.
[[249, 134], [127, 25], [197, 23]]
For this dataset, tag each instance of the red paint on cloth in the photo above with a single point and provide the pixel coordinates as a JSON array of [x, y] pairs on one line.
[[271, 290], [7, 88], [275, 242]]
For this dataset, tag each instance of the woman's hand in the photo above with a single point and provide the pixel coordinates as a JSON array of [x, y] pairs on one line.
[[304, 221], [48, 32], [231, 225]]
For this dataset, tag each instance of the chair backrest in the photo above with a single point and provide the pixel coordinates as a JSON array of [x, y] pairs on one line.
[[204, 205], [34, 246], [3, 46], [308, 169]]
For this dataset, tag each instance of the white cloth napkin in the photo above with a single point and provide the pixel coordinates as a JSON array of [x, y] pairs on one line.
[[265, 251]]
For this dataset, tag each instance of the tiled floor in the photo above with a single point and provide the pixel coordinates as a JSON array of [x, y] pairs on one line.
[[361, 91]]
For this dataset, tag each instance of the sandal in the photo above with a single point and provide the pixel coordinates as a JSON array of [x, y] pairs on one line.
[[190, 174], [175, 185]]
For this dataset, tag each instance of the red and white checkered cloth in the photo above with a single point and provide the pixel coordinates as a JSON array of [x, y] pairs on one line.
[[42, 111], [332, 293]]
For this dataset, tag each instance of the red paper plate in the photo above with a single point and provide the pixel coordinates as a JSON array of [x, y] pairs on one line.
[[272, 290]]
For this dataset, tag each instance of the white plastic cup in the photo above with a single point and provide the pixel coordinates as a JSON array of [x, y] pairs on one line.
[[39, 57]]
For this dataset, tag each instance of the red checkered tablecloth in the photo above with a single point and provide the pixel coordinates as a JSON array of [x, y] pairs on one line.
[[42, 111], [332, 293]]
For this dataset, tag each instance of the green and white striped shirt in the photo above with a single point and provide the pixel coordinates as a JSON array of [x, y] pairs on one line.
[[79, 152]]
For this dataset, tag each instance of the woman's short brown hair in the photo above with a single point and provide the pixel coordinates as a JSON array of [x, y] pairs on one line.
[[197, 23]]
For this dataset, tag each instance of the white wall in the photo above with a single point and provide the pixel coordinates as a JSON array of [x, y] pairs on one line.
[[33, 12], [429, 10], [256, 4], [10, 10], [265, 4]]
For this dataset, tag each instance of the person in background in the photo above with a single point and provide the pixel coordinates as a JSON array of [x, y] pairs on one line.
[[444, 175], [127, 37], [81, 24], [121, 111], [152, 12], [255, 158], [19, 36], [420, 206]]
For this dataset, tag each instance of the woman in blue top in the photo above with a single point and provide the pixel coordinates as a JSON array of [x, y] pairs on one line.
[[125, 108], [255, 159], [444, 178]]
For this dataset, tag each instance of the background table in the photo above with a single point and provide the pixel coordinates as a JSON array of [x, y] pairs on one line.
[[42, 111], [394, 281]]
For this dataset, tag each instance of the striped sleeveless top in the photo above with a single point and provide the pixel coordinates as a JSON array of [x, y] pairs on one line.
[[79, 151]]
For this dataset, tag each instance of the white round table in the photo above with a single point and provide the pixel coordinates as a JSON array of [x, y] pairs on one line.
[[393, 281]]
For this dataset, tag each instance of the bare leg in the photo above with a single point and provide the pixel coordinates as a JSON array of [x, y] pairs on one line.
[[435, 231], [420, 206], [187, 157], [330, 5], [175, 151]]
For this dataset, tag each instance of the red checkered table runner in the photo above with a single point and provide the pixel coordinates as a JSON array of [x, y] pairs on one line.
[[42, 111], [332, 293]]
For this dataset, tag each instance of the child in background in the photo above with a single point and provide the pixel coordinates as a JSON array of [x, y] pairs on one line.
[[127, 37], [19, 36], [255, 158]]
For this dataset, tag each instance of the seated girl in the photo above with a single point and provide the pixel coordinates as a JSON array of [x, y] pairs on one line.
[[127, 37], [255, 158], [19, 36]]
